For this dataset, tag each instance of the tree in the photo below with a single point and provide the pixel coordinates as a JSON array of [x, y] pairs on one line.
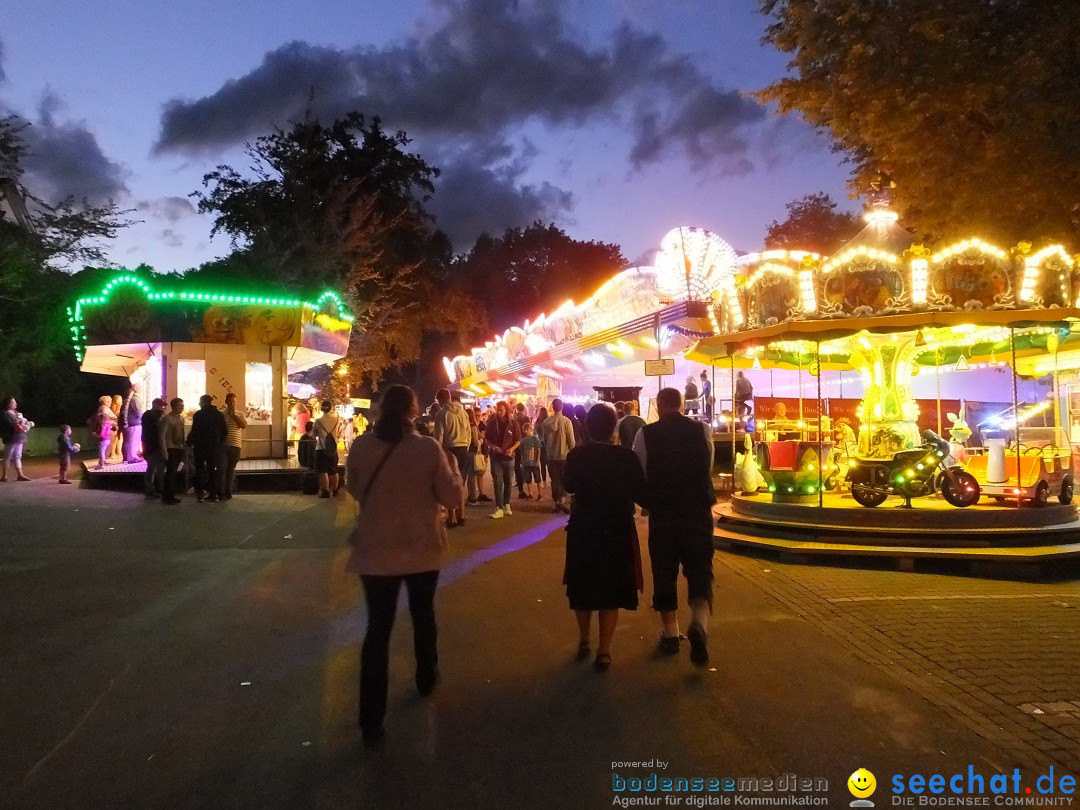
[[972, 107], [341, 205], [529, 271], [39, 366], [813, 224]]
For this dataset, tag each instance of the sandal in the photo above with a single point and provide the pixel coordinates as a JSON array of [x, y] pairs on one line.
[[583, 651], [602, 662]]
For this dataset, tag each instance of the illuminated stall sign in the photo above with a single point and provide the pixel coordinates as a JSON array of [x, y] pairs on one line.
[[772, 295], [861, 283]]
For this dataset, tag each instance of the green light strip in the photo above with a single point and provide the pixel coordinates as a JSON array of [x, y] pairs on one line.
[[78, 329]]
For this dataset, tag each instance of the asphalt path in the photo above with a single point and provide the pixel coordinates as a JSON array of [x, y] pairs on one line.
[[206, 656]]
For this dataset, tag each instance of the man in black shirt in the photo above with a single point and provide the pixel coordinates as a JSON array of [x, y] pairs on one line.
[[676, 453], [207, 438]]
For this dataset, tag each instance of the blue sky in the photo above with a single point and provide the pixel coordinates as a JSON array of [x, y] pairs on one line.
[[616, 119]]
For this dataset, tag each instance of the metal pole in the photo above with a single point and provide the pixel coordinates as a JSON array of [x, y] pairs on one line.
[[820, 425], [937, 379], [731, 359], [1057, 401], [659, 354], [1016, 411]]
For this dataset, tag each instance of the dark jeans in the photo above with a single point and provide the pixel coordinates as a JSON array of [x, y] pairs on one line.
[[175, 457], [518, 472], [681, 539], [557, 470], [208, 469], [500, 479], [153, 478], [381, 595], [232, 457]]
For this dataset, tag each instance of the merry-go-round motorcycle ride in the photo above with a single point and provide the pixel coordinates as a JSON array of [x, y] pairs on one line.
[[911, 474]]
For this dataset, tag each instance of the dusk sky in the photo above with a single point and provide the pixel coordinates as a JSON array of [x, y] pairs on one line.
[[616, 119]]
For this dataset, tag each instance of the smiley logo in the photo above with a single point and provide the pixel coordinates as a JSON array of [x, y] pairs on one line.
[[862, 784]]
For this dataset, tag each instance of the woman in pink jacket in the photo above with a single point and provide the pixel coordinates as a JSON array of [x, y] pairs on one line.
[[400, 479]]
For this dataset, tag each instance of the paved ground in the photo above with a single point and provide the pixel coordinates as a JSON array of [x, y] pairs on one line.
[[206, 656]]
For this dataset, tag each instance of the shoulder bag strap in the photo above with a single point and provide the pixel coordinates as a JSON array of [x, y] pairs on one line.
[[375, 474]]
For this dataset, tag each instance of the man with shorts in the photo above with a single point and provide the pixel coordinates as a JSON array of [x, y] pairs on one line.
[[676, 453], [454, 435]]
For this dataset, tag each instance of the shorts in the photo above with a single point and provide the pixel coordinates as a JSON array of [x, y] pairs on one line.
[[530, 475], [686, 541], [326, 462]]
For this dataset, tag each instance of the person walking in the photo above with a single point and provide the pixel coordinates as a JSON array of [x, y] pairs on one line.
[[676, 453], [558, 436], [102, 425], [399, 479], [171, 439], [326, 457], [207, 440], [235, 424], [538, 431], [153, 452], [522, 418], [502, 437], [130, 421], [13, 428], [474, 472], [454, 435], [603, 562], [530, 461]]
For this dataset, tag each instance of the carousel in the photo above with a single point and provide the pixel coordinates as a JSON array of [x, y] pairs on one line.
[[956, 443]]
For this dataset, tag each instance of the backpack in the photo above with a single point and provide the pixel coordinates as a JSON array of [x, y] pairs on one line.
[[94, 423], [691, 391], [328, 442]]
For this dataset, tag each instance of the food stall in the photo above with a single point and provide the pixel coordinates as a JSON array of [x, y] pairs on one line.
[[187, 342]]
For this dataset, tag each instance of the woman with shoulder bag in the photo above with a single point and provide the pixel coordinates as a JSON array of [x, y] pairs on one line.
[[399, 479]]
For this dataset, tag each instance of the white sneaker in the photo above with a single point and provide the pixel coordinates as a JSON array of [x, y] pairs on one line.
[[507, 510], [498, 513]]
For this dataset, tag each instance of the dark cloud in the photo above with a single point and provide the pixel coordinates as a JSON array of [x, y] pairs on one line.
[[170, 209], [171, 238], [66, 160], [491, 65], [476, 193]]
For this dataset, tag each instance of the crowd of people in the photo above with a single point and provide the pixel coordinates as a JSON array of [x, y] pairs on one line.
[[413, 476]]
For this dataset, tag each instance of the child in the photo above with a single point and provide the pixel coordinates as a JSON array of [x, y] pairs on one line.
[[64, 448], [305, 447], [530, 462]]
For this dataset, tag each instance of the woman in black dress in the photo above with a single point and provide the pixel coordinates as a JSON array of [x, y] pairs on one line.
[[603, 562]]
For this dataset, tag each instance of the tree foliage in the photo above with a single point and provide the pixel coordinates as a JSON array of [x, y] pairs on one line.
[[814, 224], [342, 205], [38, 365], [532, 270], [971, 106]]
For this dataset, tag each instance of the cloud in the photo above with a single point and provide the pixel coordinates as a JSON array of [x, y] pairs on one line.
[[66, 160], [171, 238], [170, 209], [479, 192], [3, 76], [489, 67]]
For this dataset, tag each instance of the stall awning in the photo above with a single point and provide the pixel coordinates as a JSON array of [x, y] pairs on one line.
[[119, 360]]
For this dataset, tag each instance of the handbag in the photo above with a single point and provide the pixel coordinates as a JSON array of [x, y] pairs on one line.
[[480, 463], [375, 474]]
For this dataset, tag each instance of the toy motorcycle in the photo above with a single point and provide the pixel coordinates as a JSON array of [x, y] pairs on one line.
[[912, 473]]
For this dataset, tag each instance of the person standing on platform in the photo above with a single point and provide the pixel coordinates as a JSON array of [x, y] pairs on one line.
[[171, 438], [207, 439], [744, 392], [153, 453], [676, 453], [131, 424], [706, 397], [399, 479], [103, 427], [235, 424], [116, 439], [690, 393], [558, 436], [454, 435], [603, 563]]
